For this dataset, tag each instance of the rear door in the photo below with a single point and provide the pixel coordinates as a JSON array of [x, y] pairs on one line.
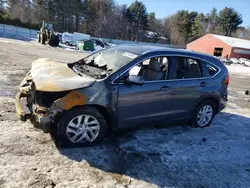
[[188, 85]]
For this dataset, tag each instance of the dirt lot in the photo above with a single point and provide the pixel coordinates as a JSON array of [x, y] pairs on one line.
[[173, 156]]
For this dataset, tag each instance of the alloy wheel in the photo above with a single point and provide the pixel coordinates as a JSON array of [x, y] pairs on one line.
[[205, 115], [83, 128]]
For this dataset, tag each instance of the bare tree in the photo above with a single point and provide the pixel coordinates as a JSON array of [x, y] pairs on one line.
[[105, 18], [2, 5]]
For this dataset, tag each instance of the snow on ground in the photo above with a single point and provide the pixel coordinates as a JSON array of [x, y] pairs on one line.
[[239, 69], [5, 38], [67, 47], [162, 156]]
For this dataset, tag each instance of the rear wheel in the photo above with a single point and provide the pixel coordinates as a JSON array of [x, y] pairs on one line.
[[203, 114], [81, 126]]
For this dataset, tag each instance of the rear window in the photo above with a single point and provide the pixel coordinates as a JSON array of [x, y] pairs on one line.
[[211, 70]]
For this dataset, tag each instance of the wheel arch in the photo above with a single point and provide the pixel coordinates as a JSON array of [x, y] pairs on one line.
[[212, 98], [107, 114]]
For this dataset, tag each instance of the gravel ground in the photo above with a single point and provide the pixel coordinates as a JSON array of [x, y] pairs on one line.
[[170, 156]]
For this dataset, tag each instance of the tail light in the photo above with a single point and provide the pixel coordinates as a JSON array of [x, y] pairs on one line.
[[226, 81]]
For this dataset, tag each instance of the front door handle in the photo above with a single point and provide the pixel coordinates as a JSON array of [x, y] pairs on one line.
[[164, 88], [203, 84]]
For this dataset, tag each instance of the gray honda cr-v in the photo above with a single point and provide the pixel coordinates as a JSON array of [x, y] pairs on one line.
[[122, 87]]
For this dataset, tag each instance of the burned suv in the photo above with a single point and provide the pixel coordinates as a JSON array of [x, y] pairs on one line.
[[122, 87]]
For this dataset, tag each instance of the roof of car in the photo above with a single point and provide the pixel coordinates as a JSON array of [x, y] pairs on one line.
[[144, 49], [140, 50], [137, 48]]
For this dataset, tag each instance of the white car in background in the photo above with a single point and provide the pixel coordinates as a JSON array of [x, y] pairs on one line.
[[245, 61], [225, 60], [68, 39], [235, 61]]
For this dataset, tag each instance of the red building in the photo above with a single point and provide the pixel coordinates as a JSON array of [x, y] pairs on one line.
[[221, 46]]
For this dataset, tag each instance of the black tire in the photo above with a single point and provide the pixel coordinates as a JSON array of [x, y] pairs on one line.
[[43, 39], [194, 121], [56, 41], [39, 38], [62, 138], [67, 43]]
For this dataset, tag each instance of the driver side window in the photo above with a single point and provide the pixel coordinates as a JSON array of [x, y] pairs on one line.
[[151, 69]]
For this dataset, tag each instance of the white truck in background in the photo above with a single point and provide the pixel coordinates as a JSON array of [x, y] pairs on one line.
[[80, 36], [71, 39]]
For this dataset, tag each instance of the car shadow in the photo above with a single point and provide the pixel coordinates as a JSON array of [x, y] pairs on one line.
[[170, 155]]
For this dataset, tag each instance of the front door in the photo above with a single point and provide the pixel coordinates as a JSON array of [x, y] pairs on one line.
[[148, 103]]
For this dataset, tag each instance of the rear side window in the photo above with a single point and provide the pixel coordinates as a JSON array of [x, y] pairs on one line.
[[187, 68], [211, 70]]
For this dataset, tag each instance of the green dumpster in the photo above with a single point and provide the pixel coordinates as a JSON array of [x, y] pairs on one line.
[[86, 45]]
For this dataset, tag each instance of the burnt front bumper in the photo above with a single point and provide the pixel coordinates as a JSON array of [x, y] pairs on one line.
[[40, 120], [21, 111]]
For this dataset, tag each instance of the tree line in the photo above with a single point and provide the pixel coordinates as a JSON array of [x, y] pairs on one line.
[[106, 18]]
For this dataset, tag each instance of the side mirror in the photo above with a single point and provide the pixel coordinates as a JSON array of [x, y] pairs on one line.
[[138, 80]]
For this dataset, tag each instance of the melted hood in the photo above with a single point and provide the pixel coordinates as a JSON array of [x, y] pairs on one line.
[[54, 76]]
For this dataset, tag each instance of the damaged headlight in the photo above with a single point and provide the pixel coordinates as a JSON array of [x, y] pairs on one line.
[[46, 99]]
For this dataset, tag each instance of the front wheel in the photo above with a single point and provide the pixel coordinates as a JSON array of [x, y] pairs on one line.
[[203, 114], [81, 126]]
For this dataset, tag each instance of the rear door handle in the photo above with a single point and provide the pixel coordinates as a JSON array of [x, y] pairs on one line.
[[203, 84], [164, 88]]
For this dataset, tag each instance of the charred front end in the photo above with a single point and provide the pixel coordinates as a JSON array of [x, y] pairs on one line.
[[52, 88], [38, 106]]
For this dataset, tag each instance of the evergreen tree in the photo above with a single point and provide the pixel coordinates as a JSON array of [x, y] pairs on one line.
[[199, 27], [229, 20], [137, 16]]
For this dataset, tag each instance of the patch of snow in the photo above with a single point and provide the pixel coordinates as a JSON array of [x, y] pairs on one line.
[[5, 41], [98, 48], [235, 42], [111, 44], [238, 69], [66, 47]]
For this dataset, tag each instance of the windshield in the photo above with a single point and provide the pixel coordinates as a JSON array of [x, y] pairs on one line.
[[112, 59], [103, 63]]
